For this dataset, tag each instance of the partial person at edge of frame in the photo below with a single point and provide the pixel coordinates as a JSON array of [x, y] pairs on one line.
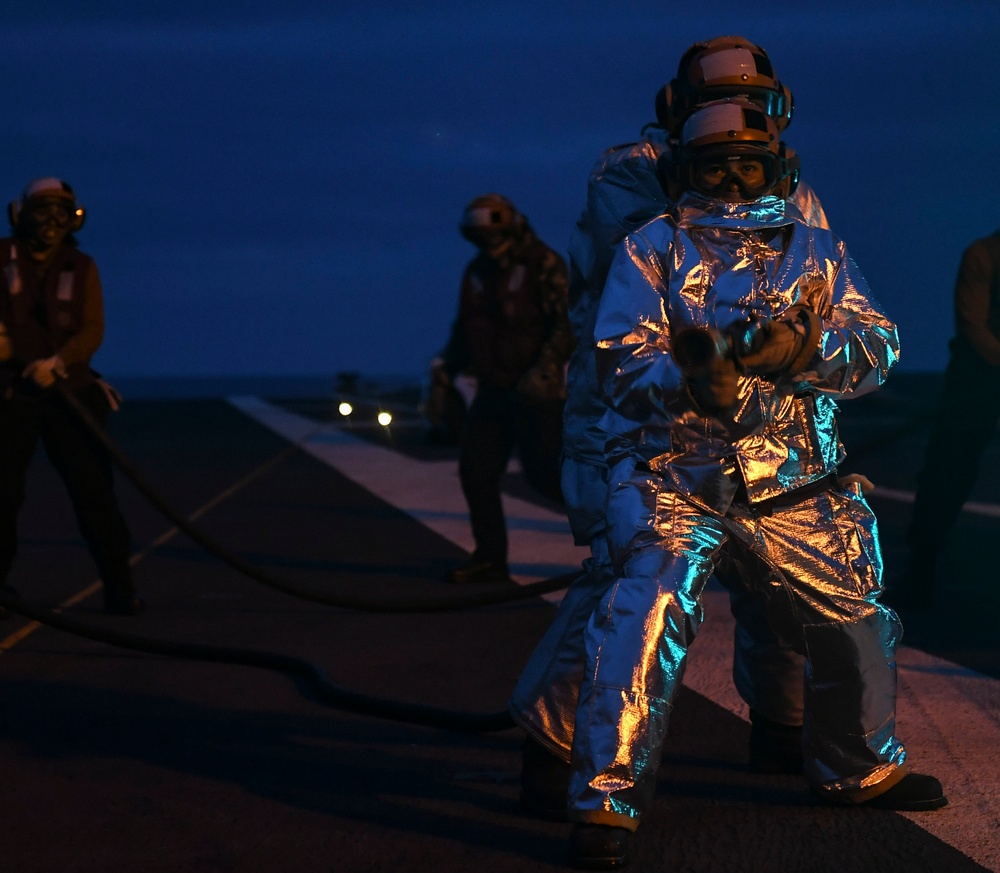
[[52, 315], [964, 423]]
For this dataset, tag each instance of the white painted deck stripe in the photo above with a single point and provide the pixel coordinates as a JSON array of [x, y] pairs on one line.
[[948, 716], [541, 544]]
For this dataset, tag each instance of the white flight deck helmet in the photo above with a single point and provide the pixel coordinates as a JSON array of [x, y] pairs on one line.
[[732, 128], [726, 66]]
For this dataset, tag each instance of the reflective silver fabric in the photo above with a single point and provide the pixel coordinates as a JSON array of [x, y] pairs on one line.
[[623, 193], [545, 697], [714, 265], [675, 499]]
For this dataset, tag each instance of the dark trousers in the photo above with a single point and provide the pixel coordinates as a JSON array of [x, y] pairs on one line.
[[85, 468], [498, 421], [965, 422]]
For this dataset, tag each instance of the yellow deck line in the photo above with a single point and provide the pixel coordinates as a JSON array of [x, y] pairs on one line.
[[21, 633]]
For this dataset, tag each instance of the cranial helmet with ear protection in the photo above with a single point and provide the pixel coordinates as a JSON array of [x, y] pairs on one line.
[[48, 186], [727, 66], [732, 128], [489, 215]]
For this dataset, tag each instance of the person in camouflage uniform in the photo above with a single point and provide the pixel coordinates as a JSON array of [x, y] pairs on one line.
[[514, 329]]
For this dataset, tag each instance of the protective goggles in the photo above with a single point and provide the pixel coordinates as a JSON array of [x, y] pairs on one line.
[[735, 175], [58, 210], [483, 234], [777, 104]]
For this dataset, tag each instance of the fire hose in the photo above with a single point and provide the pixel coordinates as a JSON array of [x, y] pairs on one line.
[[301, 670]]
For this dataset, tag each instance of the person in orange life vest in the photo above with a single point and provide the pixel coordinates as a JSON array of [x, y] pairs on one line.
[[52, 315]]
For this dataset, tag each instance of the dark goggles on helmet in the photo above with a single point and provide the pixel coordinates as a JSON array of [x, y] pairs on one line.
[[484, 226], [484, 237], [774, 103], [59, 210]]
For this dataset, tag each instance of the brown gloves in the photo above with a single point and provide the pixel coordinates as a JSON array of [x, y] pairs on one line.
[[713, 362], [545, 381], [713, 386], [789, 343]]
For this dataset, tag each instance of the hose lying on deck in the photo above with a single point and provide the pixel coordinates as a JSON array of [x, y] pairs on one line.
[[305, 672], [484, 595]]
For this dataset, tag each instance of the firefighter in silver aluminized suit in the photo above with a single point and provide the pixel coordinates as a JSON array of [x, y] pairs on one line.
[[625, 190], [726, 333]]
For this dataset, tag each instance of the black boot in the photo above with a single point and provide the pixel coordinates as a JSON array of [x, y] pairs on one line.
[[544, 781], [4, 611], [774, 748], [914, 792], [119, 593], [123, 603], [600, 847]]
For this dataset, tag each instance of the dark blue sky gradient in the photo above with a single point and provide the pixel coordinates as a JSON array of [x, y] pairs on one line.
[[273, 188]]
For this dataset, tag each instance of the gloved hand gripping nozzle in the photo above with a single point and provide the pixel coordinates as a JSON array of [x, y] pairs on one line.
[[711, 361], [694, 348]]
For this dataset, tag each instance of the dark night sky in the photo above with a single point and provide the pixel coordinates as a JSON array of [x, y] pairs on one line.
[[273, 188]]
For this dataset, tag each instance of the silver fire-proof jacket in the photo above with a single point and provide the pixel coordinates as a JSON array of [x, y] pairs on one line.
[[624, 192], [693, 270]]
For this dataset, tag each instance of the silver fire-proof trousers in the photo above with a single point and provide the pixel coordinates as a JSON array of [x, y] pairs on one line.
[[822, 601]]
